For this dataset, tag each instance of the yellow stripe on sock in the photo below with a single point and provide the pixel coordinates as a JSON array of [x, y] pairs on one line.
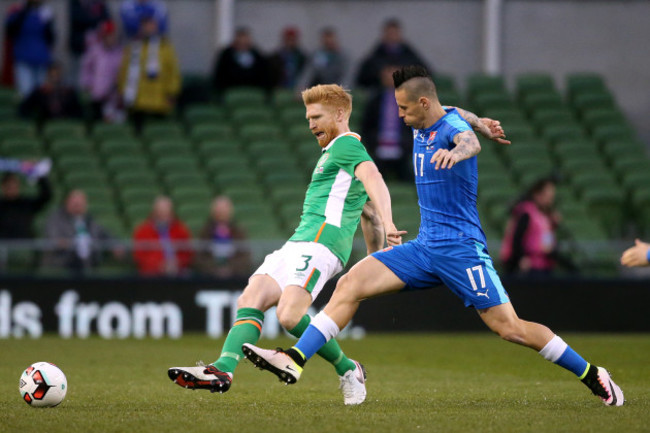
[[585, 373], [299, 352]]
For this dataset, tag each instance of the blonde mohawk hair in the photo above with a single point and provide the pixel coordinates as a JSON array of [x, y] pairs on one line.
[[331, 95]]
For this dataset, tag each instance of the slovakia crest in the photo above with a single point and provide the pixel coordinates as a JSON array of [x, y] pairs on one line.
[[432, 136]]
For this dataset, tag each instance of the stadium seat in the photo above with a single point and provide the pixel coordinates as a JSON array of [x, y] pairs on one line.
[[206, 132], [534, 83], [533, 102], [162, 130], [543, 118], [203, 113], [247, 115], [557, 133], [607, 204], [603, 116], [287, 98], [450, 98], [244, 96], [57, 129], [17, 129], [70, 163], [483, 101], [619, 132], [593, 101], [481, 83], [131, 163], [136, 213], [138, 194], [580, 83], [139, 178], [614, 149], [85, 179], [120, 147], [260, 131], [168, 147], [293, 115], [71, 146], [110, 131], [19, 147], [192, 195]]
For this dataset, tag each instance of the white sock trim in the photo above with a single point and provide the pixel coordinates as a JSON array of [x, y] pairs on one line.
[[325, 325], [554, 349]]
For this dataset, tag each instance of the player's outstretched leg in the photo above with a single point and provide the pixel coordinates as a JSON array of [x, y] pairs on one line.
[[262, 292], [503, 320], [352, 375]]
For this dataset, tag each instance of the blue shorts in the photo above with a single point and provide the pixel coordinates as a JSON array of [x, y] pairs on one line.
[[465, 267]]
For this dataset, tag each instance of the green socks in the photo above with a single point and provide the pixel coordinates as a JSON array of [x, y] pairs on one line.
[[331, 351], [246, 329]]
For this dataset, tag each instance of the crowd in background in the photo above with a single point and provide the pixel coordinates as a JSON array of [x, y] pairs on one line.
[[125, 69]]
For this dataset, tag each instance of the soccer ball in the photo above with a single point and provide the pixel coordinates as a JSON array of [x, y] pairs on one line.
[[43, 385]]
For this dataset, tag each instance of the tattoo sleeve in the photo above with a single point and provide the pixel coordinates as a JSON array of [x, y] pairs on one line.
[[474, 122], [467, 145]]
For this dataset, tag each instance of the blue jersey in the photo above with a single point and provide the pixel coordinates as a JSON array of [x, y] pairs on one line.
[[447, 197]]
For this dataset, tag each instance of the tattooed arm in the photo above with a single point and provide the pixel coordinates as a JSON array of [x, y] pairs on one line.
[[467, 145], [488, 128]]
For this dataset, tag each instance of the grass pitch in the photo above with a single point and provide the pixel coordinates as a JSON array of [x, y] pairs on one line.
[[416, 382]]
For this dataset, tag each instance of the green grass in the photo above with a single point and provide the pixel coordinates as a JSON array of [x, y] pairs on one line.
[[416, 382]]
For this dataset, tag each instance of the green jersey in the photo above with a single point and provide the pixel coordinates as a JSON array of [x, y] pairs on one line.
[[335, 197]]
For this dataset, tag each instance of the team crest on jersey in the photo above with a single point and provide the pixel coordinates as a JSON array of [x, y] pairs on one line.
[[432, 136], [321, 162]]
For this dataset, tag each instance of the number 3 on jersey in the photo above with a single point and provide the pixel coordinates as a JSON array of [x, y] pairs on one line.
[[416, 157]]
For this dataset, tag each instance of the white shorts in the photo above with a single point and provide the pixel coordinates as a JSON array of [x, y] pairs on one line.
[[306, 264]]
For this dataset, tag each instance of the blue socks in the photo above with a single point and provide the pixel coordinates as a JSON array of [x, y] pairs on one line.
[[310, 342]]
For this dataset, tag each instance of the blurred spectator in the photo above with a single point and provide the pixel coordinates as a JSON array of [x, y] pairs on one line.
[[149, 78], [386, 137], [53, 99], [288, 61], [134, 11], [638, 255], [155, 251], [75, 234], [17, 211], [85, 17], [328, 65], [31, 30], [393, 50], [240, 64], [227, 257], [99, 70], [529, 245]]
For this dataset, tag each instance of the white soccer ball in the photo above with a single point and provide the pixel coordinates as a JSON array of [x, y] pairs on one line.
[[43, 385]]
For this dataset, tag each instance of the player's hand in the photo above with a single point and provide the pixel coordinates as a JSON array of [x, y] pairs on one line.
[[496, 130], [444, 158], [394, 236], [636, 255]]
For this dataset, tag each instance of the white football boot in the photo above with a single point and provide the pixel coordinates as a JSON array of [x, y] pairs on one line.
[[353, 385], [275, 361], [609, 392], [201, 377]]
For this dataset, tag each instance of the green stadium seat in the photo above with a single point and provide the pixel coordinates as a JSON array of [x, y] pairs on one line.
[[580, 83], [85, 179], [222, 164], [17, 129], [7, 113], [253, 132], [557, 133], [641, 205], [450, 98], [244, 96], [543, 118], [169, 164], [162, 130], [168, 147], [9, 96], [136, 213], [605, 133], [607, 204], [533, 102], [481, 83], [16, 147], [120, 147], [71, 146], [247, 115], [70, 163], [288, 194], [633, 180], [521, 133], [624, 148], [109, 131], [593, 101], [445, 82], [585, 229], [215, 148], [209, 132], [293, 115], [534, 83], [626, 166], [286, 98], [58, 129], [138, 194], [584, 182], [203, 113], [123, 164], [603, 116], [283, 178], [139, 178], [192, 195], [483, 101]]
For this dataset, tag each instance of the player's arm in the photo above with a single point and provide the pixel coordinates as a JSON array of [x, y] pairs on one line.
[[638, 255], [372, 227], [377, 190], [488, 128], [467, 145]]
